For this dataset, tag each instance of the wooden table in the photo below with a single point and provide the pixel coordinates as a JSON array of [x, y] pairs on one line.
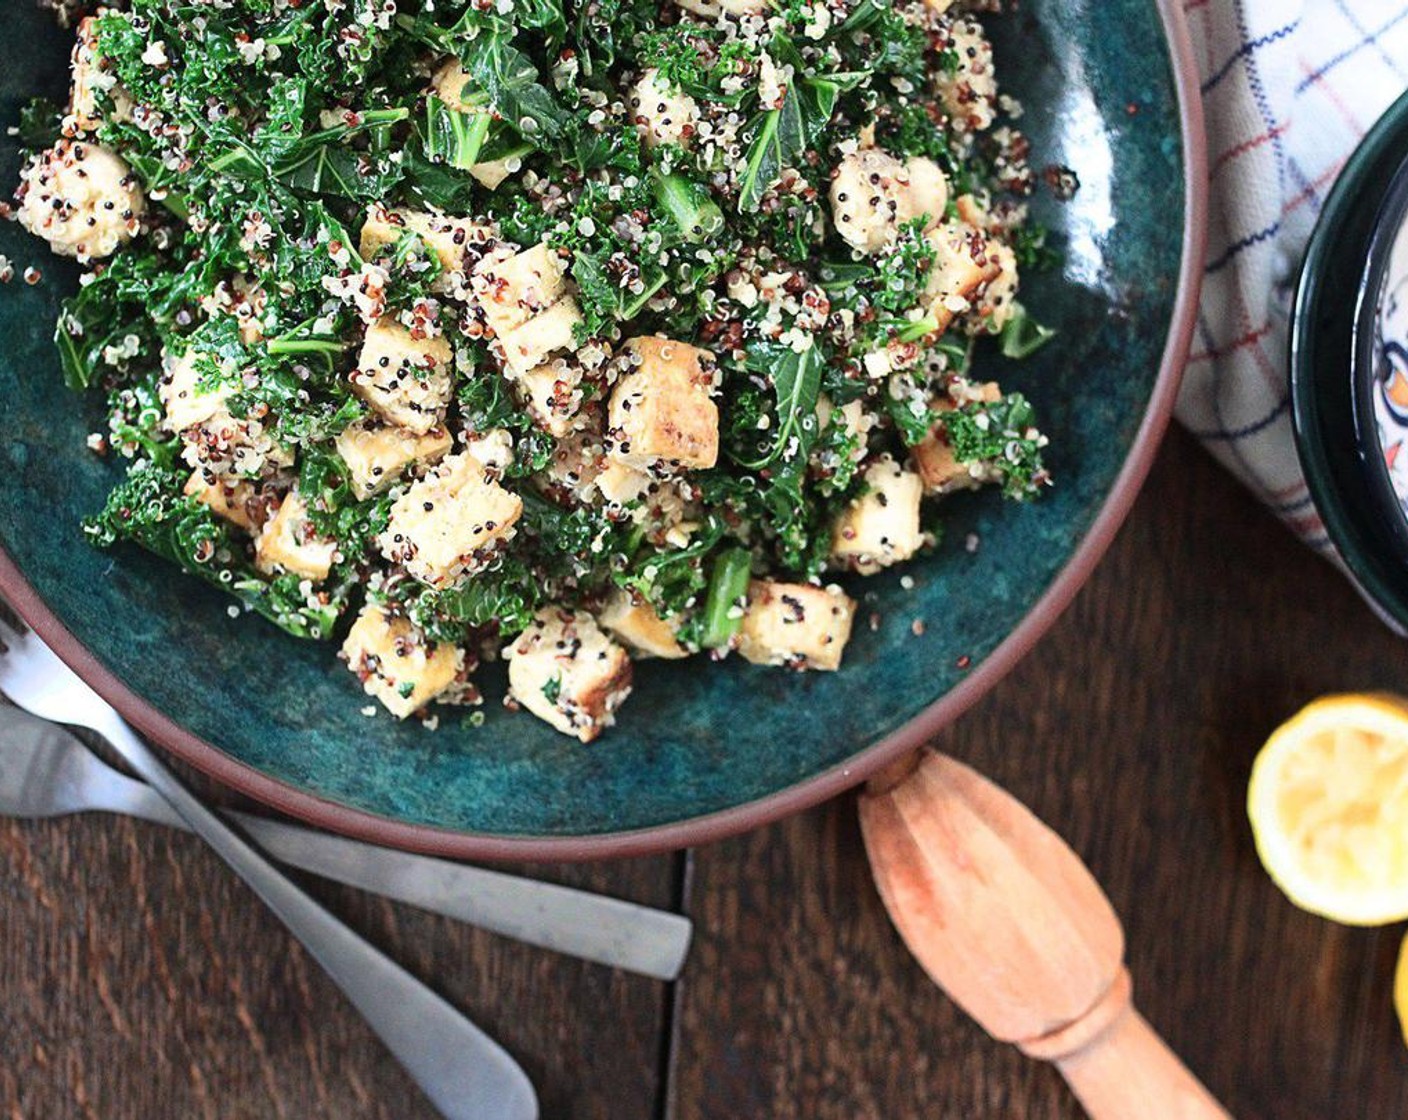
[[139, 980]]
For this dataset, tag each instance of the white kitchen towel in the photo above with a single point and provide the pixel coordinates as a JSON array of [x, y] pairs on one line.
[[1289, 89]]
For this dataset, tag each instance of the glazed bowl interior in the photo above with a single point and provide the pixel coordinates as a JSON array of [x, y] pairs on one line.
[[700, 749]]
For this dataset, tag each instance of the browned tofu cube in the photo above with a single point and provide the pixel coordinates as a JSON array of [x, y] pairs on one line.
[[511, 288], [289, 543], [398, 664], [963, 263], [92, 74], [376, 455], [448, 238], [881, 527], [565, 671], [795, 625], [663, 415], [406, 379], [451, 523], [638, 625], [227, 498], [529, 346], [933, 458]]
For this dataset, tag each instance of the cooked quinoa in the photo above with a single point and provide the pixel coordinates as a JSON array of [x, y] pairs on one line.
[[571, 333]]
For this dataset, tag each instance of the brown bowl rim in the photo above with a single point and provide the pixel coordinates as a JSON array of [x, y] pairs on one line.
[[343, 819]]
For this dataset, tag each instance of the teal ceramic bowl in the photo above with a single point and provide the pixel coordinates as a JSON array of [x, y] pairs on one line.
[[701, 750], [1336, 348]]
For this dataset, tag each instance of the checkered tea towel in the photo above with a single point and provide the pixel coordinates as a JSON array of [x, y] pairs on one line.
[[1289, 89]]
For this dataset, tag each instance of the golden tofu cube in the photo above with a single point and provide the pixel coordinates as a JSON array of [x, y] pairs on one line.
[[396, 663], [620, 485], [795, 625], [568, 673], [289, 543], [188, 392], [227, 498], [447, 237], [881, 527], [639, 626], [963, 263], [529, 346], [512, 288], [376, 455], [451, 523], [552, 393], [933, 458], [662, 411], [406, 379]]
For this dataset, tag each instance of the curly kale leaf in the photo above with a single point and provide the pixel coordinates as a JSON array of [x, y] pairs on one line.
[[149, 509], [1002, 436]]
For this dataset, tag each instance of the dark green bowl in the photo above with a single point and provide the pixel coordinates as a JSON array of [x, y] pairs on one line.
[[700, 750], [1331, 360]]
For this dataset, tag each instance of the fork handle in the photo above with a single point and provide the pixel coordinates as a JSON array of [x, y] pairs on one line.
[[464, 1072], [592, 927]]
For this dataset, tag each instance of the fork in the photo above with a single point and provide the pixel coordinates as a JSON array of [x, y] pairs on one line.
[[46, 771], [464, 1072]]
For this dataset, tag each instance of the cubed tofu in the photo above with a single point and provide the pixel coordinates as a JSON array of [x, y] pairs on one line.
[[448, 84], [576, 464], [969, 91], [663, 113], [662, 414], [492, 450], [963, 263], [376, 455], [448, 238], [552, 393], [227, 498], [933, 458], [996, 301], [527, 347], [796, 625], [881, 527], [852, 419], [193, 388], [83, 199], [511, 288], [567, 672], [404, 378], [93, 76], [938, 468], [451, 523], [638, 625], [398, 664], [289, 543], [620, 485]]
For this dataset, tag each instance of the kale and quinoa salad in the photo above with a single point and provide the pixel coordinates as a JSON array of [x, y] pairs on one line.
[[562, 331]]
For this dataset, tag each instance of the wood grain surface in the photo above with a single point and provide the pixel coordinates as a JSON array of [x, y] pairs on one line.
[[138, 980]]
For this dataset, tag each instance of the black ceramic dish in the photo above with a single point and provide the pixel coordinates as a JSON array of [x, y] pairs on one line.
[[1381, 273], [1345, 473]]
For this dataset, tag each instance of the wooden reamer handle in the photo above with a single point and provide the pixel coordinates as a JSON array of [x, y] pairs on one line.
[[1004, 916]]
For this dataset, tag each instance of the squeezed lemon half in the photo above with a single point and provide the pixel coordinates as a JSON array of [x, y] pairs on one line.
[[1400, 989], [1328, 803]]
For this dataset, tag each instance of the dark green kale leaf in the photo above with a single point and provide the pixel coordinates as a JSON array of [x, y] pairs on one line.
[[149, 509], [505, 598], [1001, 435], [509, 79]]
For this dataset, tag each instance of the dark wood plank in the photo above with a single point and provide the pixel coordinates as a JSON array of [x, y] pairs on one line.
[[1131, 729], [138, 978]]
